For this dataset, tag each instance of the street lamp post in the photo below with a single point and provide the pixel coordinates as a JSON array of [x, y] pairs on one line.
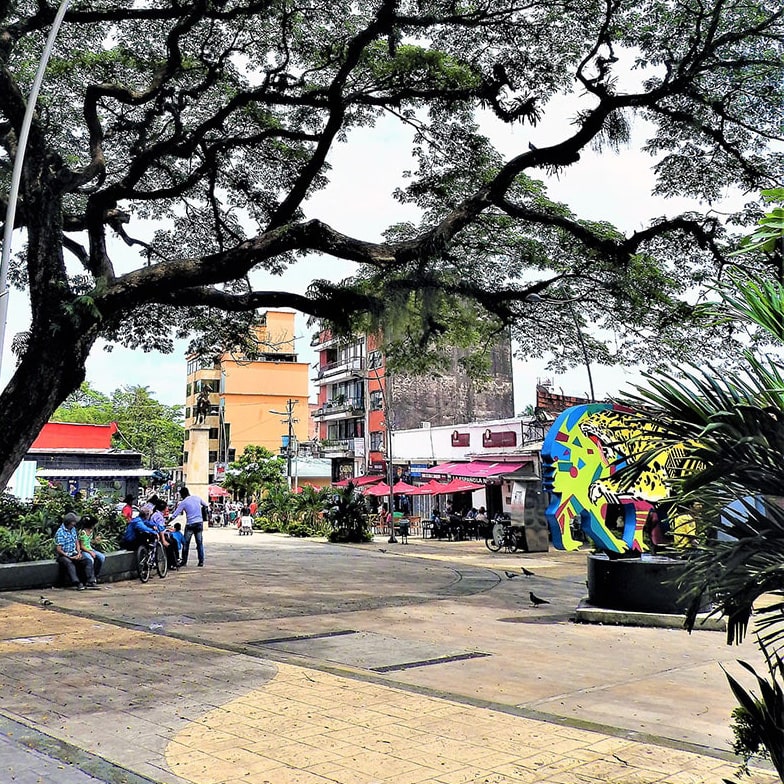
[[16, 174], [290, 420]]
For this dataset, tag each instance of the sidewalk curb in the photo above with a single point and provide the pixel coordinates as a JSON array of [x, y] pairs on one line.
[[33, 738]]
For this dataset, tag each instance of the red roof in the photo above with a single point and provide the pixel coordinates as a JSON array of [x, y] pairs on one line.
[[71, 435]]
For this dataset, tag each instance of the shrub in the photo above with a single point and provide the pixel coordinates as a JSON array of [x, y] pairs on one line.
[[27, 529]]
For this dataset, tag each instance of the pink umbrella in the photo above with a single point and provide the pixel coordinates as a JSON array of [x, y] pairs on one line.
[[216, 491], [436, 488], [461, 486], [403, 488], [359, 481], [380, 489]]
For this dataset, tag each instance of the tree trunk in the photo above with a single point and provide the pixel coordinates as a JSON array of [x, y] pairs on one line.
[[53, 366]]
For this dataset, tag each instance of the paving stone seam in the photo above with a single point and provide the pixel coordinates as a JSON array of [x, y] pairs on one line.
[[88, 762]]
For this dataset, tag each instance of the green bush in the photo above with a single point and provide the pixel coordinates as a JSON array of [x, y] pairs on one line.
[[346, 517], [27, 529]]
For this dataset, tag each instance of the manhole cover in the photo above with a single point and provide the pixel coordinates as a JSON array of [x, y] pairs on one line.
[[368, 650]]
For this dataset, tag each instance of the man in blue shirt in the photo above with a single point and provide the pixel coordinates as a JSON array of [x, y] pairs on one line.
[[138, 531], [70, 557], [194, 523]]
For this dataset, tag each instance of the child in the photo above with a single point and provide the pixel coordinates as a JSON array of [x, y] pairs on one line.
[[177, 537], [86, 532], [246, 522]]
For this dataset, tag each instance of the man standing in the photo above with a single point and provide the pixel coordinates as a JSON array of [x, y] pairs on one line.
[[70, 557], [194, 523]]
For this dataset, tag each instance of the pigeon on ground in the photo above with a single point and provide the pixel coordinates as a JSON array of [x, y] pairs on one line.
[[511, 575], [536, 601], [527, 572], [382, 549], [44, 602]]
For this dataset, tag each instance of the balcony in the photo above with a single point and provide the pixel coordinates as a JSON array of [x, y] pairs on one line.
[[333, 410], [343, 447], [341, 367]]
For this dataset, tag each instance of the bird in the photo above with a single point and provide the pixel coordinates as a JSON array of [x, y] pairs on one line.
[[527, 572], [511, 575], [535, 600], [44, 602], [382, 549], [532, 147]]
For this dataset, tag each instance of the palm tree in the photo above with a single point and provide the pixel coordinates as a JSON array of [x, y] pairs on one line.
[[729, 427]]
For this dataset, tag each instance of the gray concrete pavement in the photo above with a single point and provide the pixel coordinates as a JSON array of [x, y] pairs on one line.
[[424, 629]]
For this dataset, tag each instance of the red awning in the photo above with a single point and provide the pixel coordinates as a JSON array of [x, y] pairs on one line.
[[442, 468], [481, 469], [359, 481], [461, 486], [435, 488], [399, 488]]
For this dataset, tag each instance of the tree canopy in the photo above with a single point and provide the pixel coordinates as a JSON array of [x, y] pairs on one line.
[[175, 146], [256, 470], [144, 423]]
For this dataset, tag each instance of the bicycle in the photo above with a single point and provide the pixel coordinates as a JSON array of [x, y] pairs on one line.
[[151, 555], [503, 536]]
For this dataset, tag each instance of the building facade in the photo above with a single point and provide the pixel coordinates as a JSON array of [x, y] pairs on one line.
[[247, 401], [360, 404], [78, 458]]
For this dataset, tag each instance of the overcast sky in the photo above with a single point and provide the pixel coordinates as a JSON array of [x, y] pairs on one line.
[[358, 201]]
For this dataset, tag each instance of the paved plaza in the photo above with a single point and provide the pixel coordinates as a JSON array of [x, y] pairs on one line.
[[288, 661]]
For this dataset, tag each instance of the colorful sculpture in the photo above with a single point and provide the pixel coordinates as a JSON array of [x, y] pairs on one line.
[[582, 453]]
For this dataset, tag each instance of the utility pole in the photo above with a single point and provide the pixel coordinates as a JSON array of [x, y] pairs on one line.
[[290, 420]]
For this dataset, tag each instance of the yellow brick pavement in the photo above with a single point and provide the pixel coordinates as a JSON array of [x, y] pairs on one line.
[[306, 726]]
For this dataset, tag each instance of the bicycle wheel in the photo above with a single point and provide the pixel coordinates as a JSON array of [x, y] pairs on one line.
[[495, 541], [143, 562], [161, 561]]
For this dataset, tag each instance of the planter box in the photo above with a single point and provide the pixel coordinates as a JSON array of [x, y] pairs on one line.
[[647, 584], [45, 574]]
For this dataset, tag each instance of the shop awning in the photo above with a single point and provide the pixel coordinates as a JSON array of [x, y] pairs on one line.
[[480, 469], [359, 481], [445, 469], [92, 473], [462, 486]]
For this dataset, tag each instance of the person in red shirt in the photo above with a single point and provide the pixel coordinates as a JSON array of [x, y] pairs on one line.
[[127, 510]]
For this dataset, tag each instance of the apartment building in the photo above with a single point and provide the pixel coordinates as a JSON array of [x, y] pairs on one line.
[[247, 400], [360, 404]]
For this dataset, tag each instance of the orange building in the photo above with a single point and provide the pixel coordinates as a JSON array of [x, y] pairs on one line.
[[242, 394]]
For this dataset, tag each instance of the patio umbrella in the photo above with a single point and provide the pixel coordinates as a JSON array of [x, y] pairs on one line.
[[216, 491], [461, 486], [359, 481], [379, 490], [436, 488], [403, 488], [421, 490]]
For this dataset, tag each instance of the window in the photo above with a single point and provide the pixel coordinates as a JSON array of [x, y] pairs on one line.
[[232, 455], [212, 456], [376, 441], [374, 360], [184, 457], [213, 432], [376, 400], [214, 410], [187, 434], [210, 384], [187, 412], [188, 390]]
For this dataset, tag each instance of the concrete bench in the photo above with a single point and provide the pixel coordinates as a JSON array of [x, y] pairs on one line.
[[45, 574]]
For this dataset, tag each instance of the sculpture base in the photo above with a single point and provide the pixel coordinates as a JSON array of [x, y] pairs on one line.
[[648, 584]]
